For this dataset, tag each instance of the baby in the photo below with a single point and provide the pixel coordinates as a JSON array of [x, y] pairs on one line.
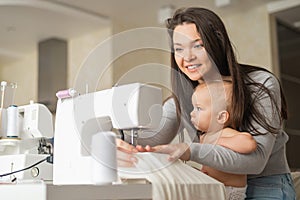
[[211, 117]]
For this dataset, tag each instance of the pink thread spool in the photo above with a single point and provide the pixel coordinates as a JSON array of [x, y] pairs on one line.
[[66, 93]]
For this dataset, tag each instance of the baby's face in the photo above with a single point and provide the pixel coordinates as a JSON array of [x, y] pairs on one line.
[[208, 101], [201, 116]]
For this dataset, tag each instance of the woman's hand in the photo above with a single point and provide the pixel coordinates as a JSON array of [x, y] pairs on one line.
[[125, 154], [176, 151], [125, 147]]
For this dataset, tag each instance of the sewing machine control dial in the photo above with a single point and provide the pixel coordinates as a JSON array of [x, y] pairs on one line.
[[35, 172]]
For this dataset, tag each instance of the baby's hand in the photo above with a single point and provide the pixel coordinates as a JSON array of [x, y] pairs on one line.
[[144, 149], [125, 147]]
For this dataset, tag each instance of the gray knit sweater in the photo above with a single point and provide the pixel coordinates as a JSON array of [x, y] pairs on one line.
[[268, 159]]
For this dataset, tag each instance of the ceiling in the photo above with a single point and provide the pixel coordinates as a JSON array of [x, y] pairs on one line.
[[23, 23]]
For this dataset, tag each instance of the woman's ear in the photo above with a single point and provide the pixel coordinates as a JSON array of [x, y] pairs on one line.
[[223, 117]]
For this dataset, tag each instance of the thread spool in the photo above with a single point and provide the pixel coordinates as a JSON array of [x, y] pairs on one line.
[[104, 158], [12, 122], [66, 93], [3, 122]]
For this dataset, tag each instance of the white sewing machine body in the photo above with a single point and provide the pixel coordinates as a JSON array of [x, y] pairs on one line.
[[126, 107], [35, 126]]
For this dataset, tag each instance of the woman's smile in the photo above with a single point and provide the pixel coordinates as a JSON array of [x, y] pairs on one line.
[[193, 67]]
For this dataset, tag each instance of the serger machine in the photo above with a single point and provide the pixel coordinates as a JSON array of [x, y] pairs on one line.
[[31, 142], [80, 117]]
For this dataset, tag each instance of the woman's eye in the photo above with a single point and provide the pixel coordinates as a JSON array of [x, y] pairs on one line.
[[198, 46], [178, 49]]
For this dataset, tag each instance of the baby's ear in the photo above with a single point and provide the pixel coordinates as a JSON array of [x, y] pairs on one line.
[[223, 117]]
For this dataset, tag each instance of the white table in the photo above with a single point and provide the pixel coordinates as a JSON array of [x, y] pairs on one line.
[[40, 190], [166, 181]]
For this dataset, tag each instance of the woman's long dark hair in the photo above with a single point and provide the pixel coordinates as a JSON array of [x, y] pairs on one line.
[[218, 46]]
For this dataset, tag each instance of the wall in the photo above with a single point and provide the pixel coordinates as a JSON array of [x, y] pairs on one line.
[[249, 30], [141, 55], [25, 73], [79, 50]]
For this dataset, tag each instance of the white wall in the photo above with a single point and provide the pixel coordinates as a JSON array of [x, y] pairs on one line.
[[86, 59], [25, 71], [141, 55], [249, 30]]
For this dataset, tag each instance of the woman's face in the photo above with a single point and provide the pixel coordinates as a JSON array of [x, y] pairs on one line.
[[190, 54]]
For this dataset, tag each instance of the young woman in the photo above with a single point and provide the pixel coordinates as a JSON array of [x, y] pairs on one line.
[[201, 51]]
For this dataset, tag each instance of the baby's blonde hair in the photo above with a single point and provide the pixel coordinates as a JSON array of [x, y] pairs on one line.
[[220, 95]]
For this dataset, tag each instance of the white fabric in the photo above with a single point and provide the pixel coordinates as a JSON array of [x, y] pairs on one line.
[[235, 193], [173, 180]]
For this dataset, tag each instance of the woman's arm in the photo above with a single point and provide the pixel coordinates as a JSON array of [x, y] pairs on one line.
[[219, 157], [227, 160], [166, 131], [164, 134]]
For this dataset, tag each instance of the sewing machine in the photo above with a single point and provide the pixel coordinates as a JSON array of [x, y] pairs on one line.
[[35, 130], [78, 118]]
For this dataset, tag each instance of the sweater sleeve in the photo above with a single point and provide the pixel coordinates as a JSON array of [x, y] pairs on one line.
[[166, 131], [226, 160], [229, 161]]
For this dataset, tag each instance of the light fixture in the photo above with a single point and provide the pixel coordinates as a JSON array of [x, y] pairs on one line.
[[165, 12], [297, 24], [222, 3]]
